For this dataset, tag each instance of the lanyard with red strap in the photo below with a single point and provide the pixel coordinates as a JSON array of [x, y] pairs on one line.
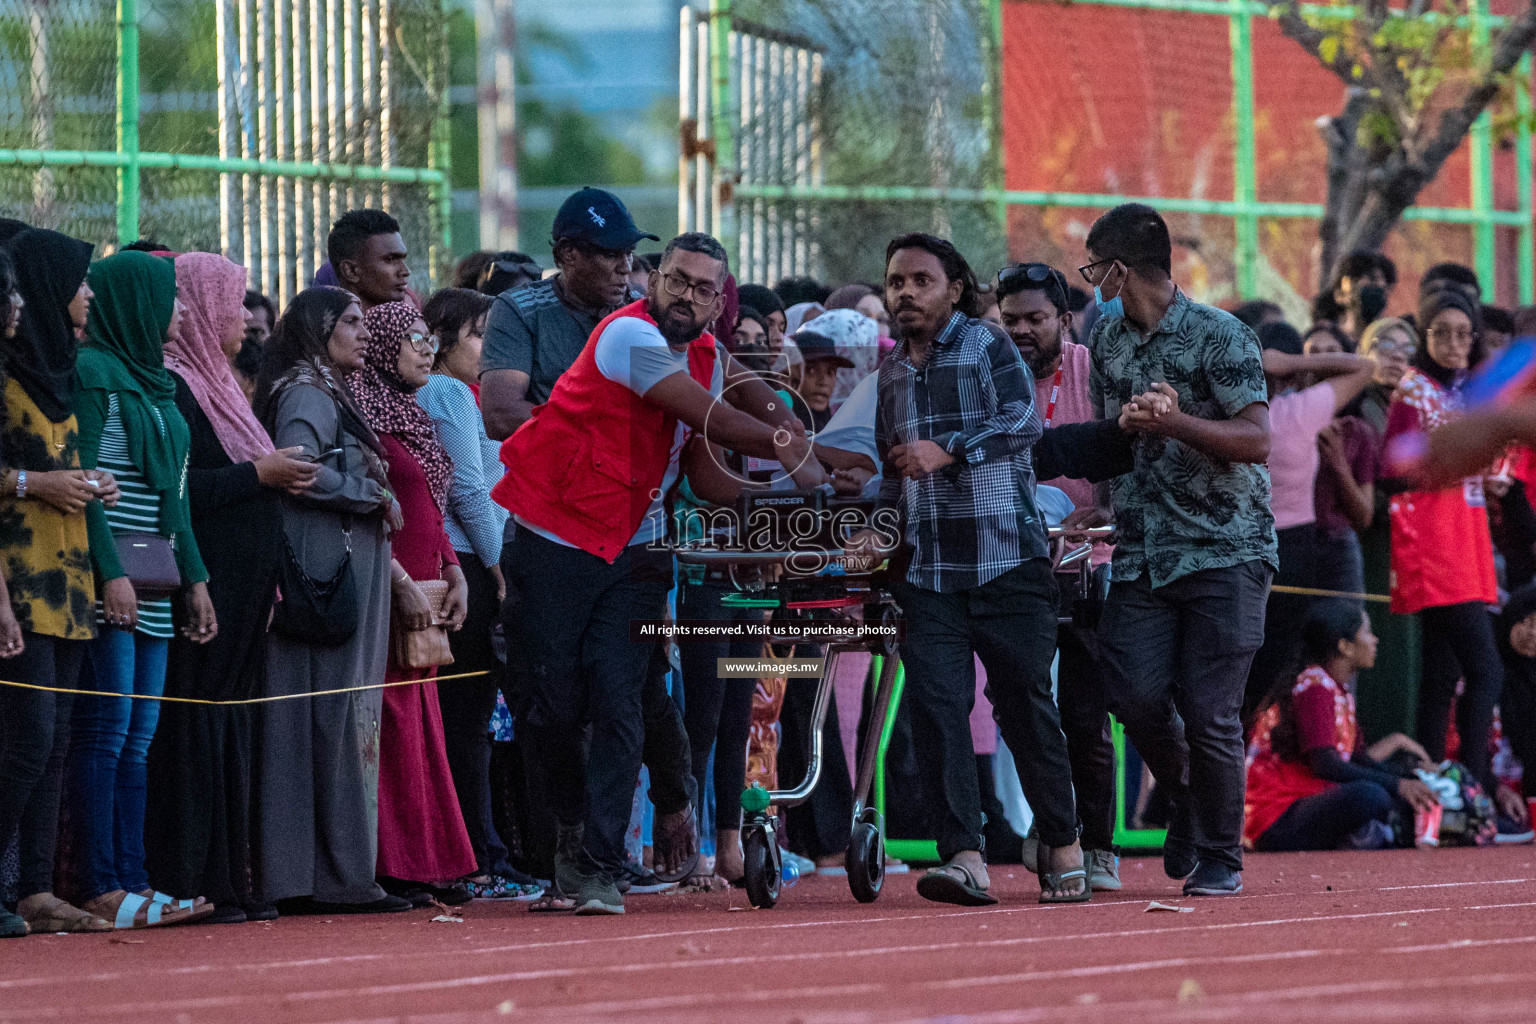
[[1050, 409]]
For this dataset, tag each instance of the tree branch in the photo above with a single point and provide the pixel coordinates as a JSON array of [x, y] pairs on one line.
[[1454, 124], [1295, 27]]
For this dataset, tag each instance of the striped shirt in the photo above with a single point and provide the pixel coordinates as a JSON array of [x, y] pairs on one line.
[[137, 511]]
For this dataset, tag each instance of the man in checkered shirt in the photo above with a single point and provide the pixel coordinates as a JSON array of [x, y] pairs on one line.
[[954, 426]]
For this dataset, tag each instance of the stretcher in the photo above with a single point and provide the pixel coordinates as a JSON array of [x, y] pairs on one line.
[[814, 582]]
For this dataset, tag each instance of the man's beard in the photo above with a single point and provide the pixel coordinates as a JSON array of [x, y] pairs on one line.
[[669, 328], [1041, 359]]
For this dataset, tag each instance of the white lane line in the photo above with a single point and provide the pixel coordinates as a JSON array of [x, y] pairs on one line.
[[445, 984], [523, 947], [1218, 1006]]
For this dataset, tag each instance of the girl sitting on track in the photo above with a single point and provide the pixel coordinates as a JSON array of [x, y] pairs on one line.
[[1310, 784]]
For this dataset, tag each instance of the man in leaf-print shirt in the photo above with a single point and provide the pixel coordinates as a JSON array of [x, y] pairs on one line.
[[1196, 542]]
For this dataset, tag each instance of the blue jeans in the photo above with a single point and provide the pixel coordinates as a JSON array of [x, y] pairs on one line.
[[108, 746]]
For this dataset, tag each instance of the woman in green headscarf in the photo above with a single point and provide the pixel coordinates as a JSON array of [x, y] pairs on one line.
[[131, 427]]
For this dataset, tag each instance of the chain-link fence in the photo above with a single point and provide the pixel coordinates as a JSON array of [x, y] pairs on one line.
[[840, 124], [1009, 125], [236, 126]]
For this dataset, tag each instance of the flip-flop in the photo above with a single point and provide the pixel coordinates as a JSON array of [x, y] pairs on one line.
[[663, 840], [552, 901], [1050, 881], [940, 886]]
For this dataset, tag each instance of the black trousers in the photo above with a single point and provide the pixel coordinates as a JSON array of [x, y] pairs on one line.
[[1457, 643], [580, 715], [1083, 696], [665, 752], [467, 705], [1177, 659], [717, 712], [34, 737], [1326, 820], [1280, 654], [1010, 623]]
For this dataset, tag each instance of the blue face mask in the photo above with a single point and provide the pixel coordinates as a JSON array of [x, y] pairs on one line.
[[1109, 307]]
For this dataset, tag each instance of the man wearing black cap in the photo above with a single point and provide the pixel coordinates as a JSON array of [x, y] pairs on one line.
[[534, 333]]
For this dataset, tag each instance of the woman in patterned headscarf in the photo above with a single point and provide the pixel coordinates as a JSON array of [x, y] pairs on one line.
[[423, 844], [196, 834]]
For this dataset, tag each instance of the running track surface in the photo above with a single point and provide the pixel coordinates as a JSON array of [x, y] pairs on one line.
[[1400, 937]]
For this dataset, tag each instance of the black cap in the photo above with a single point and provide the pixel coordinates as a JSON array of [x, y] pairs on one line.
[[598, 217], [815, 346]]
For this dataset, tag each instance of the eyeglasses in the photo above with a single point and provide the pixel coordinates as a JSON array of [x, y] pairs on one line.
[[702, 292], [424, 344], [1087, 267], [1452, 333]]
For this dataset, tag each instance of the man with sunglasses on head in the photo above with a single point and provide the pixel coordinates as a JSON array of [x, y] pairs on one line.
[[1196, 543], [535, 332], [586, 479], [1032, 302]]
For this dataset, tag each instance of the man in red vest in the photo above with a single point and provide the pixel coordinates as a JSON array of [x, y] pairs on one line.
[[586, 479]]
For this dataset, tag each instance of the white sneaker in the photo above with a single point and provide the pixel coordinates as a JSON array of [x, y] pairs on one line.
[[1103, 870]]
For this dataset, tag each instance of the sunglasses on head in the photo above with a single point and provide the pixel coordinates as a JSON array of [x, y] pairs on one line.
[[1038, 275]]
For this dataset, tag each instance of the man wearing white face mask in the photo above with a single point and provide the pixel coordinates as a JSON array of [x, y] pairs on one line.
[[1196, 543]]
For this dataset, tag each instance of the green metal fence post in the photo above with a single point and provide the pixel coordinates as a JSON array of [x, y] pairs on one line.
[[128, 120], [994, 118], [440, 159], [1244, 187], [722, 114], [1484, 256], [1525, 249]]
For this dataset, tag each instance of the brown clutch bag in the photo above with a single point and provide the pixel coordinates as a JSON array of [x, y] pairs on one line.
[[423, 648]]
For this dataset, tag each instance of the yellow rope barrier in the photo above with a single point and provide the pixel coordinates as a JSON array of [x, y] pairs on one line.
[[1310, 592], [1303, 591], [248, 700]]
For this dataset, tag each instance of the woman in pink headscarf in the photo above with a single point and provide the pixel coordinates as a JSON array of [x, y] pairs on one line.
[[196, 837], [423, 844]]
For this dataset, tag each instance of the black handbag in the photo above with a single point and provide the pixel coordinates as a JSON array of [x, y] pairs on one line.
[[319, 612], [149, 562]]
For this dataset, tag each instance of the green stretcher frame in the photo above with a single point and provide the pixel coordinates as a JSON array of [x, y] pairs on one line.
[[921, 850]]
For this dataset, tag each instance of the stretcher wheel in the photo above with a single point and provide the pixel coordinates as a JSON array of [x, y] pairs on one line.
[[762, 869], [865, 861]]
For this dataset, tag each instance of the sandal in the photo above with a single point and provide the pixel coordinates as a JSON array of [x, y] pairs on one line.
[[45, 913], [674, 831], [172, 901], [552, 901], [938, 885], [1051, 881], [129, 910]]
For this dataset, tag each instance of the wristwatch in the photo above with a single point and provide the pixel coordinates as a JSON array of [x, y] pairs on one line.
[[21, 483]]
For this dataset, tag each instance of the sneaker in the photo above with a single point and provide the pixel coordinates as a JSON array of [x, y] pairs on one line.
[[598, 897], [1512, 832], [804, 865], [1179, 858], [1103, 870], [1211, 879], [12, 926]]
